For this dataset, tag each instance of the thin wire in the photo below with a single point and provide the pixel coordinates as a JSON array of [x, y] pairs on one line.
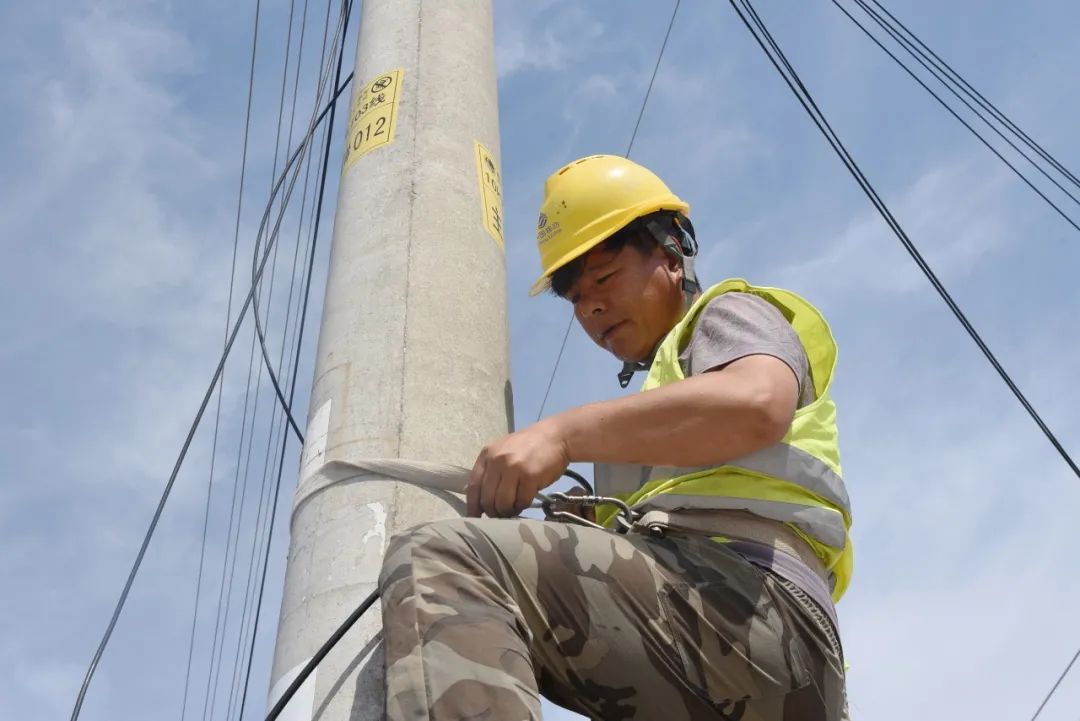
[[247, 435], [956, 115], [629, 147], [221, 386], [259, 332], [1056, 684], [215, 652], [807, 101], [975, 95], [292, 389], [264, 493], [323, 78], [656, 68], [315, 122], [220, 623], [277, 428]]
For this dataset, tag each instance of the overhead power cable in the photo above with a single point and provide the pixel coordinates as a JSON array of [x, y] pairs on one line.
[[928, 54], [1068, 219], [776, 56], [166, 492], [262, 514], [259, 332], [243, 460], [629, 147], [327, 144], [1057, 683], [258, 569], [221, 386]]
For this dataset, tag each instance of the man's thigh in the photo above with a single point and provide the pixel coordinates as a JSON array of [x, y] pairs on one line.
[[630, 626]]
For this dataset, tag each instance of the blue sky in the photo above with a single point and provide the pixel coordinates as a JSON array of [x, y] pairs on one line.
[[122, 126]]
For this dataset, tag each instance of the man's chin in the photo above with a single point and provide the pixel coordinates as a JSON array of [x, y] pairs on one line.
[[627, 357]]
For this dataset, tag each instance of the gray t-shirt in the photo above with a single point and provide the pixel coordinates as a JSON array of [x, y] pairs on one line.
[[736, 325], [733, 326]]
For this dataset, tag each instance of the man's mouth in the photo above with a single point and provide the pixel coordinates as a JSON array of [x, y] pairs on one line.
[[610, 329]]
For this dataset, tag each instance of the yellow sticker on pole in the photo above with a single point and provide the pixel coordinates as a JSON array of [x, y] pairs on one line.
[[374, 116], [487, 173]]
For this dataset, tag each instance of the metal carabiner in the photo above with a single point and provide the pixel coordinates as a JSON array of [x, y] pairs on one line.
[[624, 520]]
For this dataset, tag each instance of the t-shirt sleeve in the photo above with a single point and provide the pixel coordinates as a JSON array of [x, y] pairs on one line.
[[736, 325]]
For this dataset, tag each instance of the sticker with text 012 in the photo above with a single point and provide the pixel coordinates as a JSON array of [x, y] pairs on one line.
[[374, 116]]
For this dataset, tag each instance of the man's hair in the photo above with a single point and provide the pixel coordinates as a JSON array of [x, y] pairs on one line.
[[635, 235]]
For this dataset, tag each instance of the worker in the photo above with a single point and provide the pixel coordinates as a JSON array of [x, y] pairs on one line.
[[716, 599]]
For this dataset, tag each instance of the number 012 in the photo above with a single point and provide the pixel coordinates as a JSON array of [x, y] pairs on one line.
[[364, 134]]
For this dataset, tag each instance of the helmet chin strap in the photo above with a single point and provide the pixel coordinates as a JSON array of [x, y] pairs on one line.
[[629, 368], [683, 248]]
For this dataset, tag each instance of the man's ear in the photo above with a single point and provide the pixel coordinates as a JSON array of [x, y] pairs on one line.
[[673, 263]]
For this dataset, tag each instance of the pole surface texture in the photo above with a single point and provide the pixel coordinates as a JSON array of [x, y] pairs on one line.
[[412, 361]]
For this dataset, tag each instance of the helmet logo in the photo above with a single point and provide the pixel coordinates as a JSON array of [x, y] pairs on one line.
[[541, 221]]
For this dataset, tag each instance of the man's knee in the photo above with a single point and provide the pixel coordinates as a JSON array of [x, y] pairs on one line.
[[443, 539]]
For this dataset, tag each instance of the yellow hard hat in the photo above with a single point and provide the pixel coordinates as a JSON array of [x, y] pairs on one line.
[[588, 201]]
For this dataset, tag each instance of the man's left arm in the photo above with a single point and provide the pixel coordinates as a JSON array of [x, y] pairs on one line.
[[707, 419]]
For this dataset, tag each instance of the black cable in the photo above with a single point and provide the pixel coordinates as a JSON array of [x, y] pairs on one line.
[[370, 599], [950, 78], [228, 570], [324, 77], [255, 254], [296, 357], [978, 97], [211, 675], [347, 7], [258, 324], [795, 84], [293, 687], [221, 620], [329, 644], [580, 479], [232, 543], [629, 147], [963, 122], [198, 415], [239, 674], [264, 492], [221, 386]]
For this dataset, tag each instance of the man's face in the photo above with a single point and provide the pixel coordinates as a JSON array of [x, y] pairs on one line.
[[627, 301]]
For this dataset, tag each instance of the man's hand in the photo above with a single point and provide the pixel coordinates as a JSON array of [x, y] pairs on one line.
[[509, 472]]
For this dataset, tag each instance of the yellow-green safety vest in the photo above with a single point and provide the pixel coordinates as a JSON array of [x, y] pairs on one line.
[[796, 481]]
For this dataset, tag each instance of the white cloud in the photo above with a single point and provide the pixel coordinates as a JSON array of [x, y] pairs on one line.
[[953, 214], [545, 35]]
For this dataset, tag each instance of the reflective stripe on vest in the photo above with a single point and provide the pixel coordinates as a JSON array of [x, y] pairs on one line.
[[797, 481]]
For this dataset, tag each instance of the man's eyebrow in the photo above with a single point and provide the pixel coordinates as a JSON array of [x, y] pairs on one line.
[[600, 263]]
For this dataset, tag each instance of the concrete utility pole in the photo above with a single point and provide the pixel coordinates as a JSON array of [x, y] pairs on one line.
[[413, 359]]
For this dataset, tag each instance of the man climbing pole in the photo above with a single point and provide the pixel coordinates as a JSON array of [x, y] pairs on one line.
[[717, 602]]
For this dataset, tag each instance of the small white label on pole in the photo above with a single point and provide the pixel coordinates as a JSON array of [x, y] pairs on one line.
[[301, 706], [315, 441]]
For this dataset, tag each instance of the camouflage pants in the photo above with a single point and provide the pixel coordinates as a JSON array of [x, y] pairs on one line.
[[482, 616]]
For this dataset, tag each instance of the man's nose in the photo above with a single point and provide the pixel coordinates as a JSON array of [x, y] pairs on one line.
[[590, 305]]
